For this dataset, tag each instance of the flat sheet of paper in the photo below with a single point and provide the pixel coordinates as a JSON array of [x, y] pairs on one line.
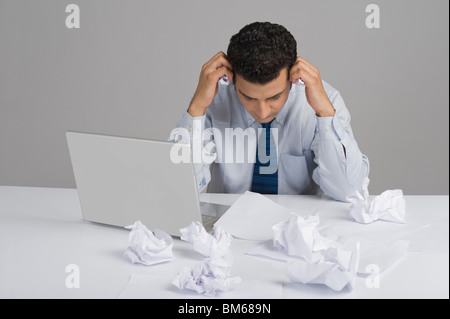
[[383, 255], [252, 217], [380, 255], [149, 286], [380, 231]]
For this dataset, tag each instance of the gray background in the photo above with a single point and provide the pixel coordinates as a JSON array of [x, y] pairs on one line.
[[133, 66]]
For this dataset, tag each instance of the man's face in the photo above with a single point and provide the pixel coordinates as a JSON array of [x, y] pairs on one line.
[[263, 101]]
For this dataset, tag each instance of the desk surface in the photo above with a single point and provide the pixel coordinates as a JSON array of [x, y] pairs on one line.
[[42, 232]]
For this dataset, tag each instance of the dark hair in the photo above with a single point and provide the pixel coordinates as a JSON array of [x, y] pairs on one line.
[[260, 50]]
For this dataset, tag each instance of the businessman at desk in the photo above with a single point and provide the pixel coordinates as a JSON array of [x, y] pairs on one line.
[[303, 140]]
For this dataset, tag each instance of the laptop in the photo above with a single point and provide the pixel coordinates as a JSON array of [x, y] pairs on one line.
[[121, 180]]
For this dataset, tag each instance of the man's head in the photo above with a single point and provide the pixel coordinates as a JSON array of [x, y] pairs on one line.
[[260, 50], [261, 55]]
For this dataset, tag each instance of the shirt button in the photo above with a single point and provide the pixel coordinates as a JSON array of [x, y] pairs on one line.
[[249, 121], [190, 129], [282, 121], [327, 128]]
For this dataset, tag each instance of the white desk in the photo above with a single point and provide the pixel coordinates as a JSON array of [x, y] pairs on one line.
[[41, 232]]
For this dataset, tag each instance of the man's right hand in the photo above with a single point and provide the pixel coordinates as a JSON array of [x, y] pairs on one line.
[[207, 86]]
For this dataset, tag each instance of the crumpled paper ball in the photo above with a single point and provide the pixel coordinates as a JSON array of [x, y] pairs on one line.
[[321, 260], [146, 247], [389, 205], [207, 277], [208, 245]]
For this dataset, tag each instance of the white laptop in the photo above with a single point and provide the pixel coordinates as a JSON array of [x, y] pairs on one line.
[[121, 180]]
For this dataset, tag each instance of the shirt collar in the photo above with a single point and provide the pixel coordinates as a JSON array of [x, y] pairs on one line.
[[248, 117]]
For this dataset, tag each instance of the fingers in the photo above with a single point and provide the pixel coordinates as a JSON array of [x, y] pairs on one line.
[[304, 62], [217, 61], [305, 71], [217, 67], [220, 72], [207, 88]]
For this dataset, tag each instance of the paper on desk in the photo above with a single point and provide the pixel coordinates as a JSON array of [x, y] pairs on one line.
[[211, 275], [147, 248], [154, 286], [337, 269], [252, 217], [207, 277], [208, 245], [381, 254], [298, 236], [382, 232], [376, 254], [389, 205], [323, 260]]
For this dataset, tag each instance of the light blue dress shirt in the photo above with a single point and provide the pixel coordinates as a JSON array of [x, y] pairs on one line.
[[310, 148]]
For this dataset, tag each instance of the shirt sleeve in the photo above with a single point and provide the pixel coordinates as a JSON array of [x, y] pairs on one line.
[[338, 172], [191, 130]]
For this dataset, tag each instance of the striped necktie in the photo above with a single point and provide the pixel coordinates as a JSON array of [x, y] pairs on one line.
[[265, 171]]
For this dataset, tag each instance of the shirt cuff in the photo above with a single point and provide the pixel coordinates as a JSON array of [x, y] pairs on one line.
[[330, 129], [187, 121]]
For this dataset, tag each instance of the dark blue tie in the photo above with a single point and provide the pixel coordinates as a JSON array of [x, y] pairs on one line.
[[265, 171]]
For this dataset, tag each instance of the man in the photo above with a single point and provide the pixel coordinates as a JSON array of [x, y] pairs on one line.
[[303, 139]]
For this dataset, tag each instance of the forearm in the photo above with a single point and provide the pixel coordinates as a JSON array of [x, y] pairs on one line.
[[196, 110], [190, 130], [341, 166]]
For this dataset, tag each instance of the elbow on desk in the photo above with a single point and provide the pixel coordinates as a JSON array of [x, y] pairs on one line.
[[341, 190]]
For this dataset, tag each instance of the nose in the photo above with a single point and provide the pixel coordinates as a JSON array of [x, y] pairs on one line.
[[263, 109]]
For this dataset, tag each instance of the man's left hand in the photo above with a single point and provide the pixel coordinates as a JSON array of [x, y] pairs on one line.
[[314, 90]]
